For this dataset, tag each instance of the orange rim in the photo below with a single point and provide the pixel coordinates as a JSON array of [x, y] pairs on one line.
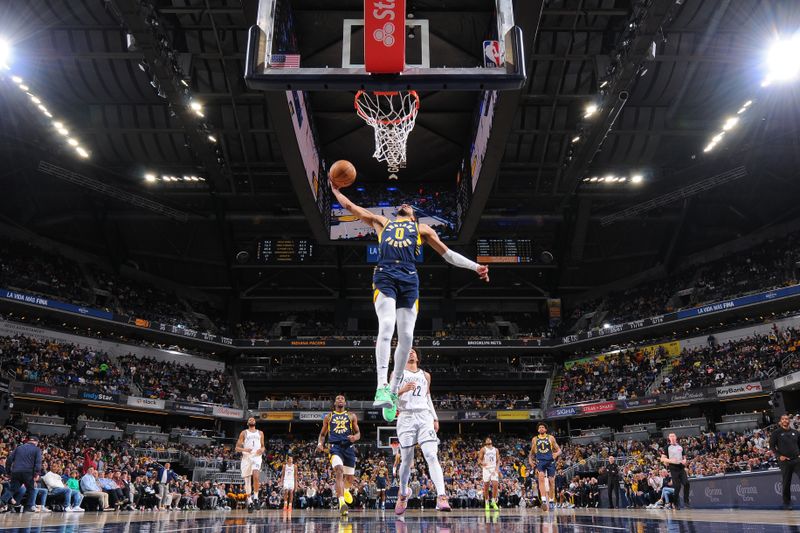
[[385, 122]]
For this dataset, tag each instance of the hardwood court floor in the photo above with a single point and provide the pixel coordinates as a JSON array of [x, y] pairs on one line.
[[415, 521]]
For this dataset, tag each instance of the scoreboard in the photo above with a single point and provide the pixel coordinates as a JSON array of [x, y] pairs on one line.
[[504, 251], [284, 251]]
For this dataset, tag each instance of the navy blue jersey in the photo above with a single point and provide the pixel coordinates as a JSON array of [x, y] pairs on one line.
[[340, 428], [399, 243], [544, 449]]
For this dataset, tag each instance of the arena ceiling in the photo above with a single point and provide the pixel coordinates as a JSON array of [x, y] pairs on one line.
[[707, 63]]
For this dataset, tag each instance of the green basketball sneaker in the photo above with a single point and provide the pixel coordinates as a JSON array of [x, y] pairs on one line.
[[390, 413], [383, 398]]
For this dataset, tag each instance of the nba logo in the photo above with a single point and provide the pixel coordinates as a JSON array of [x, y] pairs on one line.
[[492, 56]]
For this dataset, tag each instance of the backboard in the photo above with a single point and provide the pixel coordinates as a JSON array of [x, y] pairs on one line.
[[359, 44]]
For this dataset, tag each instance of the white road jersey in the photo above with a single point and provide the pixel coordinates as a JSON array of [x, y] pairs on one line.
[[288, 474], [417, 398], [252, 441], [489, 457]]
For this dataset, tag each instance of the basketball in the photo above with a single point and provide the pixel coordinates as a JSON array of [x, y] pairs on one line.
[[342, 173]]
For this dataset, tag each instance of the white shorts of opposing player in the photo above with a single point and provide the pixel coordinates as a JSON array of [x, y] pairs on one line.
[[415, 427], [490, 474], [250, 464]]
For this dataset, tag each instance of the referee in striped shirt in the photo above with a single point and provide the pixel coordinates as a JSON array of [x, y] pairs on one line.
[[676, 463]]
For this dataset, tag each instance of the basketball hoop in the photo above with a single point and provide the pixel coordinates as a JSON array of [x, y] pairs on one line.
[[392, 114]]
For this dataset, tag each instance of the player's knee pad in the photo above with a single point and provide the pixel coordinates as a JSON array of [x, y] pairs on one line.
[[349, 470], [336, 461]]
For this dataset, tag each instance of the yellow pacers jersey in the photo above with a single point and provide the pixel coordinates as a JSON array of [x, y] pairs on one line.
[[340, 428], [399, 242]]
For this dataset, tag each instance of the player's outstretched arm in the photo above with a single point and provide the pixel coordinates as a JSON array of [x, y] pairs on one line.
[[365, 215], [430, 236]]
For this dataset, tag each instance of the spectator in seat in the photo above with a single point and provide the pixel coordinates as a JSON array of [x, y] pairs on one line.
[[115, 496], [54, 483], [91, 489]]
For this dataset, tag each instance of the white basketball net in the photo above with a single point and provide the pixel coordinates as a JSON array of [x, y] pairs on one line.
[[392, 115]]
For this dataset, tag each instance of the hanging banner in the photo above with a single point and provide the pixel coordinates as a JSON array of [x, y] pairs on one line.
[[312, 416], [736, 390], [44, 390], [278, 416], [513, 415], [146, 403], [227, 412], [98, 396], [600, 407], [192, 408]]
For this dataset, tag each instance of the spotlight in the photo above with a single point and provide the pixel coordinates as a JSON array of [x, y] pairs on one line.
[[710, 146], [608, 178], [636, 178], [603, 83], [718, 137], [63, 131], [212, 138], [741, 110], [747, 103], [35, 100], [606, 325], [150, 178], [730, 123], [585, 180], [411, 33], [576, 139], [593, 179], [82, 152], [16, 79], [23, 87], [783, 60], [187, 178], [590, 110], [72, 142], [197, 108], [623, 179], [5, 54]]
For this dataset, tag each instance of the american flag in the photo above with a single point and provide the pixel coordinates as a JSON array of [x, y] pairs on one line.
[[285, 61]]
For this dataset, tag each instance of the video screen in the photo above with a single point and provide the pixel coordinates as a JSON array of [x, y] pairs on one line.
[[434, 206]]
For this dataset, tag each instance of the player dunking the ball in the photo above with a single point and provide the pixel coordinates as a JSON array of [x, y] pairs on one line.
[[543, 455], [396, 288], [342, 430], [251, 446], [418, 424]]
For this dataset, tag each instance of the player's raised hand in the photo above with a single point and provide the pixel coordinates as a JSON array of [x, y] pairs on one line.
[[333, 186], [483, 273]]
